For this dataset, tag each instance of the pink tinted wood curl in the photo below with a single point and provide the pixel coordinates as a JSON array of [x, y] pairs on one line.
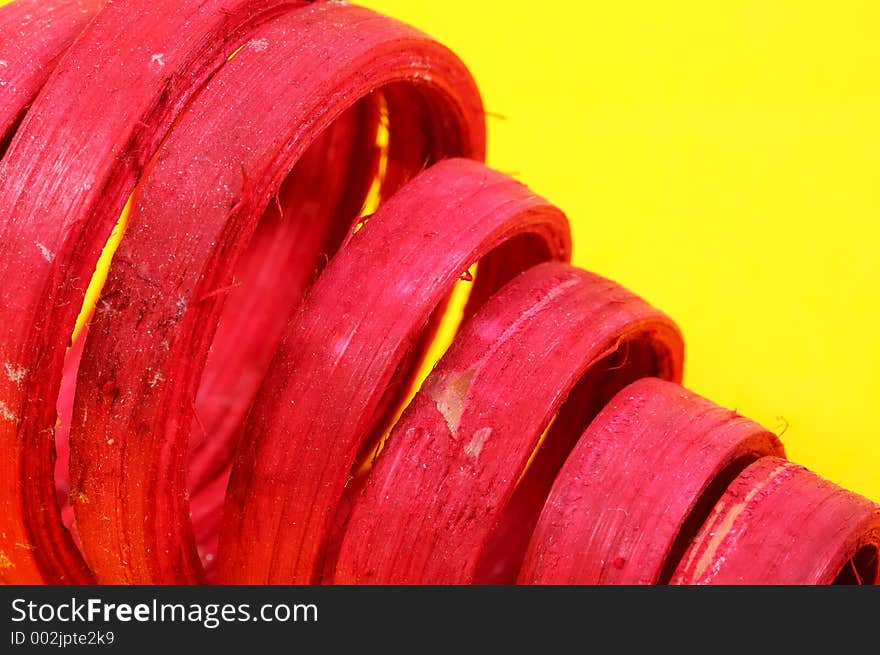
[[252, 138], [33, 35], [64, 180], [779, 523], [328, 385], [304, 223], [642, 477], [195, 213], [439, 488]]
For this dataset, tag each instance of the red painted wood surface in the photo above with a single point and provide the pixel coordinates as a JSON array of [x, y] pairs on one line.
[[258, 333]]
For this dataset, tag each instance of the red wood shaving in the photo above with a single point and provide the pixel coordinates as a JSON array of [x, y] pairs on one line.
[[33, 35], [778, 523], [181, 249], [653, 462], [469, 433], [349, 351], [63, 183], [256, 320]]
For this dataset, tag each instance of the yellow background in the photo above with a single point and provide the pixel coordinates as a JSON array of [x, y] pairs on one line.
[[721, 159]]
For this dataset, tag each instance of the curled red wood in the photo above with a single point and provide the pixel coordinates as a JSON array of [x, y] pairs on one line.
[[779, 523], [349, 350], [452, 463], [249, 135], [33, 35], [63, 183], [640, 481], [194, 214], [313, 208]]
